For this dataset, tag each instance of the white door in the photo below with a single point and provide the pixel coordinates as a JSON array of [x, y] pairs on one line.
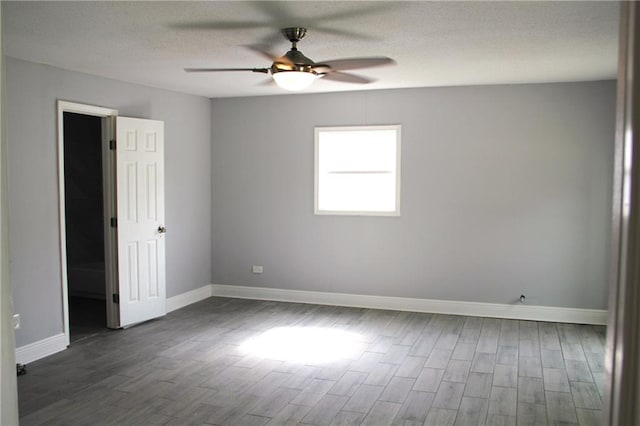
[[140, 219]]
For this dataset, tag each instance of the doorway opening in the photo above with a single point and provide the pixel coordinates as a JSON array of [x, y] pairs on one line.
[[87, 241], [84, 215]]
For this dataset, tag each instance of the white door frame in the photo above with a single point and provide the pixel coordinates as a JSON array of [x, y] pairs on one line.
[[108, 132]]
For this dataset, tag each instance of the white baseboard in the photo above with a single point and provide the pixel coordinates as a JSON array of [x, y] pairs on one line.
[[40, 349], [51, 345], [451, 307], [185, 299]]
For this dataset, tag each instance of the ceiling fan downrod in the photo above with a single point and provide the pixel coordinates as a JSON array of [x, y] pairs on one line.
[[294, 35]]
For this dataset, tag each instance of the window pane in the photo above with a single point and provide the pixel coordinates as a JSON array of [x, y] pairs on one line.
[[358, 192], [358, 151], [356, 170]]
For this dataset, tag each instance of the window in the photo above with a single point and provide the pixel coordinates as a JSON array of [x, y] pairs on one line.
[[357, 170]]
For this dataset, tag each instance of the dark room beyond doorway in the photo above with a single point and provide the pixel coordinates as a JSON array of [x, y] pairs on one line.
[[84, 224]]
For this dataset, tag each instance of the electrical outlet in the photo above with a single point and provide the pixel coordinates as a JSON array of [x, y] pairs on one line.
[[257, 269], [16, 322]]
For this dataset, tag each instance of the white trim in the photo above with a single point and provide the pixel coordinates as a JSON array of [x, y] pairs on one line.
[[42, 348], [451, 307], [65, 106], [54, 344], [188, 298], [51, 345], [86, 109]]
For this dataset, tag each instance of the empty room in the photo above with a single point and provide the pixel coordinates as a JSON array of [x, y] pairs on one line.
[[316, 212]]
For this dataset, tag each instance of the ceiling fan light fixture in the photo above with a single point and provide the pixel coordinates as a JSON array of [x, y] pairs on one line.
[[294, 80]]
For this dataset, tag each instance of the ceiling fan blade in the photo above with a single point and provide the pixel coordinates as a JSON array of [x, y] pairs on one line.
[[277, 11], [264, 52], [357, 63], [261, 70], [345, 33], [219, 25], [347, 78], [280, 14], [369, 9]]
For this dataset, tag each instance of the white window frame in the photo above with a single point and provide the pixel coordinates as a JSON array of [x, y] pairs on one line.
[[318, 131]]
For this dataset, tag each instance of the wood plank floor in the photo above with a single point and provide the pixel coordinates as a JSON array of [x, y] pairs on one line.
[[391, 368]]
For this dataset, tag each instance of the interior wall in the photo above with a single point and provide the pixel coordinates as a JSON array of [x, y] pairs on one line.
[[32, 92], [8, 380], [506, 190]]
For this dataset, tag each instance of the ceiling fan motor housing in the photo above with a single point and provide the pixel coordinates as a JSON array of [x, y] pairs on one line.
[[294, 60]]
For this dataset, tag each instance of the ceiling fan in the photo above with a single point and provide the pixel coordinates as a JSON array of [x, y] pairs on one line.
[[294, 71]]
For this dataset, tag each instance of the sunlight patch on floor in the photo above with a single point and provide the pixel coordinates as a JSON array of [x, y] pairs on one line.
[[303, 344]]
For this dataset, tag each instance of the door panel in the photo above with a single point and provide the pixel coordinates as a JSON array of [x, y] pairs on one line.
[[140, 225]]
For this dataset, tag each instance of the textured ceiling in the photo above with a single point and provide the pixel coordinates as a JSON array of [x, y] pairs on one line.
[[433, 43]]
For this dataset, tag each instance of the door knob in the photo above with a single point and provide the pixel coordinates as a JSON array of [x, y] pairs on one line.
[[161, 229]]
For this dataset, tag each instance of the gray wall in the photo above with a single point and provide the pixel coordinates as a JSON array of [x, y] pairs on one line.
[[31, 95], [8, 380], [505, 190]]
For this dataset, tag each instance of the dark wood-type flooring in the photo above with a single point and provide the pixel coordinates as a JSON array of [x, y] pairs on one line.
[[241, 362]]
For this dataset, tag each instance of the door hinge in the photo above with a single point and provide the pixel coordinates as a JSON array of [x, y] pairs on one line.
[[116, 298], [112, 144], [114, 222]]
